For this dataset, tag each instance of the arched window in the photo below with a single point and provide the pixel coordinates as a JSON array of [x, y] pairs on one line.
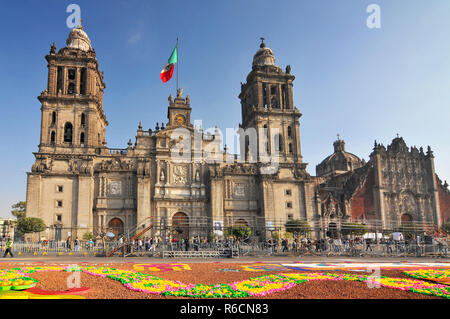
[[274, 103], [280, 143], [289, 129], [68, 131], [83, 119], [53, 117], [82, 138], [241, 222], [290, 148], [71, 88], [266, 140], [52, 137]]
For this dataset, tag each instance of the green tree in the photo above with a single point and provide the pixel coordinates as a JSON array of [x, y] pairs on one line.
[[88, 235], [238, 232], [297, 227], [27, 225], [353, 229], [18, 209]]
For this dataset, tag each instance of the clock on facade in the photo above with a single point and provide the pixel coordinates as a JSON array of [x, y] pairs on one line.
[[179, 119]]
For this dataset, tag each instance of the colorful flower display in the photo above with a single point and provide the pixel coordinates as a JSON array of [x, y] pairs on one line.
[[437, 275], [252, 287]]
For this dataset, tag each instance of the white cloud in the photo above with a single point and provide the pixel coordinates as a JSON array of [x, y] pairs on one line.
[[135, 38]]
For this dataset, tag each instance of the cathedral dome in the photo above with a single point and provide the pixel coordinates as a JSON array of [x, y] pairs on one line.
[[264, 56], [78, 39], [338, 162]]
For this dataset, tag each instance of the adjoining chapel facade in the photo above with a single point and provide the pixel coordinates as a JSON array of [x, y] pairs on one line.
[[77, 184]]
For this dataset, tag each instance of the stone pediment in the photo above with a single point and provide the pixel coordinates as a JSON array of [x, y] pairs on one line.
[[115, 164], [239, 169]]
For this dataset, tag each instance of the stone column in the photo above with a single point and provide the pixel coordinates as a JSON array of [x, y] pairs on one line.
[[260, 95], [429, 164], [52, 78], [280, 96], [84, 200], [217, 191], [379, 190], [77, 81], [143, 201], [64, 81]]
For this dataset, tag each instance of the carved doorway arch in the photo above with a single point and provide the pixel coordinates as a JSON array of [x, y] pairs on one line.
[[180, 226], [115, 226], [241, 222]]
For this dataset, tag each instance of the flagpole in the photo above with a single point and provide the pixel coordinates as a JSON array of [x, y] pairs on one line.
[[177, 65]]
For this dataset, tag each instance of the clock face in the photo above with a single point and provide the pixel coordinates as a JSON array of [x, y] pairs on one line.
[[179, 119]]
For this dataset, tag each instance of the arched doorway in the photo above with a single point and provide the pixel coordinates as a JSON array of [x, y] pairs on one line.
[[332, 230], [406, 219], [115, 226], [240, 222], [180, 226]]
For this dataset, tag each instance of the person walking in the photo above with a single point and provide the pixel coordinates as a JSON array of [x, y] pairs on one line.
[[368, 244], [388, 246], [69, 243], [77, 244], [9, 244], [140, 245]]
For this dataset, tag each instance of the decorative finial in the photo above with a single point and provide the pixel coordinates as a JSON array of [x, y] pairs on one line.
[[80, 25], [338, 137], [398, 135], [262, 45], [180, 93], [53, 48]]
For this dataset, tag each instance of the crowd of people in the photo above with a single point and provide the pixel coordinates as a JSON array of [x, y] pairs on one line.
[[301, 245], [353, 246]]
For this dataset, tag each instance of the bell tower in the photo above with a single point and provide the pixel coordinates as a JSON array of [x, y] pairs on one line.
[[267, 106], [72, 117], [179, 111]]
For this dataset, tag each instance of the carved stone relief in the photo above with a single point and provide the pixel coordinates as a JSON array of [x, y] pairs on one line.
[[179, 174], [115, 188]]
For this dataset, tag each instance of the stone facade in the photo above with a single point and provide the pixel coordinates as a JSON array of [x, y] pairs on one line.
[[179, 178], [397, 185]]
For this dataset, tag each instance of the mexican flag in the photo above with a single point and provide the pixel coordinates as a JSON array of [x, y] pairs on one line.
[[167, 71]]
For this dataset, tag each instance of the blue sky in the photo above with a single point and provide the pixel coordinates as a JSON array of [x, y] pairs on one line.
[[362, 83]]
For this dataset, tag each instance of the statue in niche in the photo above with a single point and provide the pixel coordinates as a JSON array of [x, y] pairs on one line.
[[197, 176], [162, 176], [53, 48]]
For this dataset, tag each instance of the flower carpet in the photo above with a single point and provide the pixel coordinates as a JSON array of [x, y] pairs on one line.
[[436, 275], [19, 279]]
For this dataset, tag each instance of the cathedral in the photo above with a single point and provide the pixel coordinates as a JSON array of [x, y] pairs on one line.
[[186, 184]]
